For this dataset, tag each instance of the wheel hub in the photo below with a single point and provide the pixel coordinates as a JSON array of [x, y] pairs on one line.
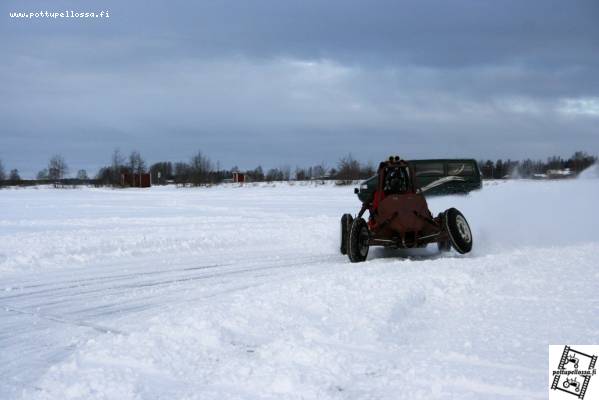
[[463, 228]]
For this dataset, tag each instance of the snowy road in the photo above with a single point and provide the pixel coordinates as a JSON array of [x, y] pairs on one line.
[[232, 292]]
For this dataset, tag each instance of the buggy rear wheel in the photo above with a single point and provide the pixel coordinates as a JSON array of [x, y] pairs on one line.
[[458, 231], [358, 241], [346, 221]]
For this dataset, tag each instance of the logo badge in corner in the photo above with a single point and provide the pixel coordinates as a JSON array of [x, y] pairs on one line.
[[571, 372]]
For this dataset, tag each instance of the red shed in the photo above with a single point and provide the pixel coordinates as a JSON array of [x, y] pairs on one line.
[[136, 180], [238, 177]]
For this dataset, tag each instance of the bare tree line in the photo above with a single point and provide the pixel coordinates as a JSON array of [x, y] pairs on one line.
[[200, 170], [505, 169], [13, 178]]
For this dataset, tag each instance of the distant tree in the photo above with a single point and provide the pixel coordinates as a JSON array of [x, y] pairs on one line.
[[527, 168], [43, 175], [137, 165], [57, 168], [285, 173], [274, 174], [486, 169], [367, 170], [511, 168], [301, 174], [161, 172], [104, 176], [117, 167], [580, 161], [349, 169], [2, 173], [257, 175], [182, 173], [319, 171], [14, 176], [555, 162], [200, 169], [499, 171], [82, 175]]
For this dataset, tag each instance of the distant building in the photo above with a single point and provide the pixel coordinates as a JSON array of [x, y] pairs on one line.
[[136, 180], [555, 174], [560, 173], [238, 177]]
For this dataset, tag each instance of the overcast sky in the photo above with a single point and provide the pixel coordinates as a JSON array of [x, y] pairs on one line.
[[280, 82]]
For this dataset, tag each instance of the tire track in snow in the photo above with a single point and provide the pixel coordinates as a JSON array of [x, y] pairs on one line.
[[61, 320], [103, 288], [83, 305], [90, 281]]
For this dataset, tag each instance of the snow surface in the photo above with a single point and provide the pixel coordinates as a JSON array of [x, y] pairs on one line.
[[240, 293]]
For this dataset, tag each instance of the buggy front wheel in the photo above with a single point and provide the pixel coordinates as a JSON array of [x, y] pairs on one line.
[[346, 221]]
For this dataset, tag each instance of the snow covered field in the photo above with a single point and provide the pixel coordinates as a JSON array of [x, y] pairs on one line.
[[240, 293]]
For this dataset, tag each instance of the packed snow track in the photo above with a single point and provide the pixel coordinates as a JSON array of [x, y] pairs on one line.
[[236, 292]]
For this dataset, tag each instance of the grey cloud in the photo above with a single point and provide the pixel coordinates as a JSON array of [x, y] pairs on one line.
[[298, 82]]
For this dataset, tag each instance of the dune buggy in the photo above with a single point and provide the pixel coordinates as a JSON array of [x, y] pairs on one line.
[[399, 217]]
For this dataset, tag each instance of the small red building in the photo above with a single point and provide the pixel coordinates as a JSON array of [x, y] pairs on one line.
[[136, 180], [238, 177]]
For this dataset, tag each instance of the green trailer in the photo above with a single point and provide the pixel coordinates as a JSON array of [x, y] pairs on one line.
[[434, 177]]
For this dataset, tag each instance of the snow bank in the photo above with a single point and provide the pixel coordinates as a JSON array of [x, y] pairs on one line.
[[591, 172]]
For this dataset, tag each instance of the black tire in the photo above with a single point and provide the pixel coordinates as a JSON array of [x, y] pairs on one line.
[[358, 241], [444, 245], [346, 221], [458, 231]]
